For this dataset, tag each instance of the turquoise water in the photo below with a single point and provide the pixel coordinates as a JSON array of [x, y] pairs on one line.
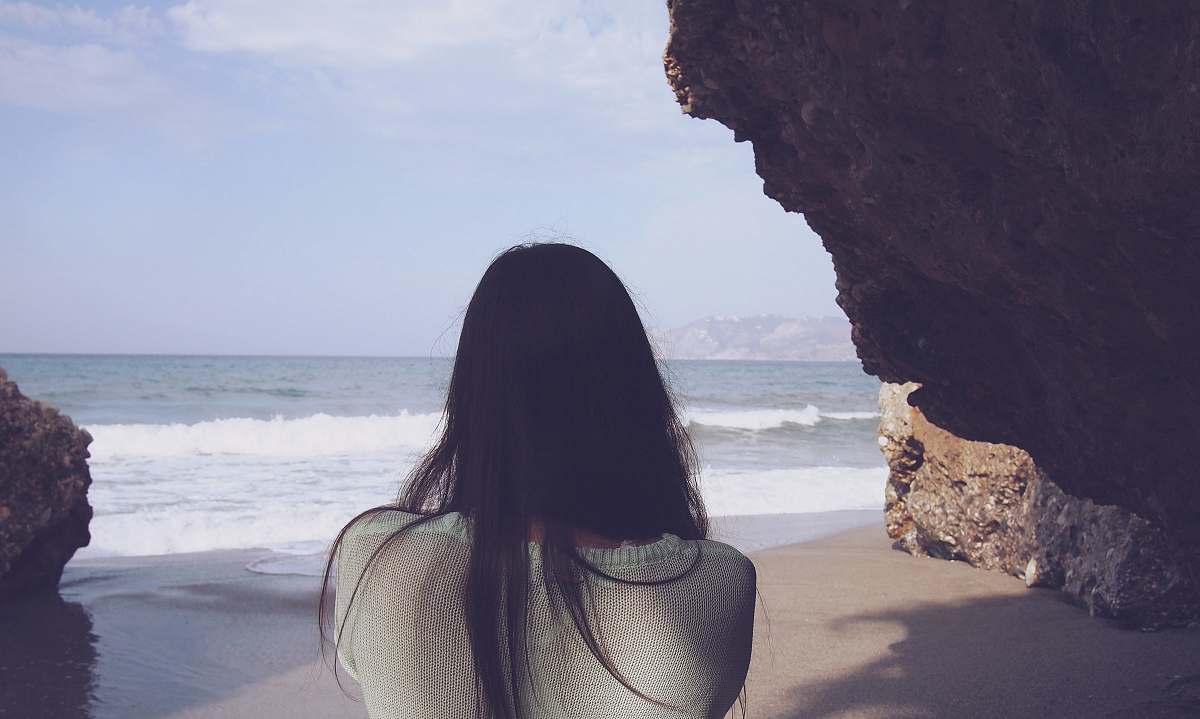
[[194, 453]]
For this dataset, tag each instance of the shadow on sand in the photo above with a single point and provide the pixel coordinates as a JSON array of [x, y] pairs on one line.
[[1008, 657]]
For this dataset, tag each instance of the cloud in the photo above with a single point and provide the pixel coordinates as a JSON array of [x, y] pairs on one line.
[[608, 58], [74, 60], [84, 77], [351, 34], [402, 69], [128, 25]]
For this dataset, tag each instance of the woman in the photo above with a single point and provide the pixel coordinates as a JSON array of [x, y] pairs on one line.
[[548, 557]]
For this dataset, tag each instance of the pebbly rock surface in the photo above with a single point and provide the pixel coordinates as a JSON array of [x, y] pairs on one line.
[[990, 505], [1011, 196], [44, 478], [948, 497]]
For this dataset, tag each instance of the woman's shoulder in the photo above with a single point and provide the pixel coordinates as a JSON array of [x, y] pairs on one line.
[[375, 526], [380, 519], [727, 559], [717, 548]]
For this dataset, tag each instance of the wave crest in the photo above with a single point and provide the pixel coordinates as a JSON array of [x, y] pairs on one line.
[[316, 435], [760, 419]]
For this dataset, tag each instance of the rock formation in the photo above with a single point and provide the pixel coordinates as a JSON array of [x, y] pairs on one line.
[[990, 505], [1011, 196], [44, 512]]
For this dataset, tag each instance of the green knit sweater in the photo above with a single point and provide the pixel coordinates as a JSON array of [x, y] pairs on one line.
[[685, 642]]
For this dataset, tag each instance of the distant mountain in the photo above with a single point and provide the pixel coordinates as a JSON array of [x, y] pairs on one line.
[[764, 337]]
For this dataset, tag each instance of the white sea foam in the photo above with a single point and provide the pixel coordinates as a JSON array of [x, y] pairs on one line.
[[760, 419], [850, 415], [287, 483], [171, 531], [306, 565], [727, 494], [201, 503], [164, 505], [319, 434], [789, 491], [323, 434]]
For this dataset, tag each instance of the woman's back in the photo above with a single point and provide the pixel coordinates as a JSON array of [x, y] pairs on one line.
[[558, 424], [685, 642]]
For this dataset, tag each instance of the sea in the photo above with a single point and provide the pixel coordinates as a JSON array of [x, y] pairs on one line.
[[195, 453]]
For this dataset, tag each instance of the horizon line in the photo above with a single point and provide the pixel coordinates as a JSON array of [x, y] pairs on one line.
[[351, 356]]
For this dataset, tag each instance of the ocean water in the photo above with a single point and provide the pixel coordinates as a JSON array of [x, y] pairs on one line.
[[200, 453]]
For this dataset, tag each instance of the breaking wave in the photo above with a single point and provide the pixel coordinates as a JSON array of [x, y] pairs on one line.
[[760, 419], [316, 435]]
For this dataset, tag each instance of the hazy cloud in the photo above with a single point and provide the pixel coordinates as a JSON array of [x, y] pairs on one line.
[[128, 25], [117, 65], [69, 58], [607, 58], [83, 77], [357, 33]]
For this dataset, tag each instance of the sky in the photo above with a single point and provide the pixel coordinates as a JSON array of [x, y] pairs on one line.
[[257, 177]]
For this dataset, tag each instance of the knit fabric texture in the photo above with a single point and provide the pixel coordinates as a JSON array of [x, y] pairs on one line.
[[404, 639]]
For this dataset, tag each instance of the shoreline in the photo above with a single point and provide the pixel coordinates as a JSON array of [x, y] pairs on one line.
[[747, 532], [855, 629]]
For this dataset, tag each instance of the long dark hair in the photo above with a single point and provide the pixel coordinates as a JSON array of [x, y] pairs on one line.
[[556, 413]]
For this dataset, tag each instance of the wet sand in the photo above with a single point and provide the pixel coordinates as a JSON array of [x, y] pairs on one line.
[[166, 636], [855, 630]]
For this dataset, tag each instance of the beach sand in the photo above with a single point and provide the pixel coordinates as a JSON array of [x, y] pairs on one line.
[[855, 629], [860, 630]]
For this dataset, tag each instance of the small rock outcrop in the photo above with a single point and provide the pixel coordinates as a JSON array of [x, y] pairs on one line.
[[1011, 196], [992, 506], [44, 479]]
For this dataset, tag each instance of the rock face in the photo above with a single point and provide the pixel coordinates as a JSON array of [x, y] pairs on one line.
[[1011, 196], [990, 505], [44, 512], [952, 498]]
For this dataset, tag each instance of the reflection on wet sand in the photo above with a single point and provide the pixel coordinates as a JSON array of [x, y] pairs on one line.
[[156, 637], [47, 659]]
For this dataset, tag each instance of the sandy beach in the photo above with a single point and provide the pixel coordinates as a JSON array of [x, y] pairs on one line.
[[860, 630], [850, 628]]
